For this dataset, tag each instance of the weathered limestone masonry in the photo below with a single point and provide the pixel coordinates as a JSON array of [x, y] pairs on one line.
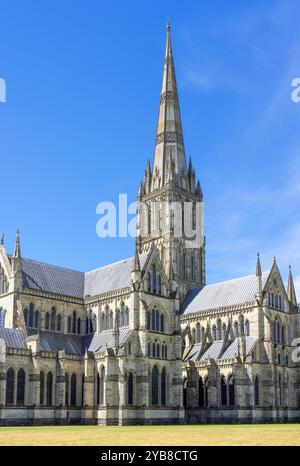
[[144, 340]]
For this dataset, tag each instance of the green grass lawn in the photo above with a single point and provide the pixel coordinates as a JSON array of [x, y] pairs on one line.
[[266, 434]]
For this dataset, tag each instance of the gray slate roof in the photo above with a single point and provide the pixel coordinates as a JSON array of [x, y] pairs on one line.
[[67, 282], [13, 338], [229, 293], [104, 340], [1, 317], [111, 277], [214, 350]]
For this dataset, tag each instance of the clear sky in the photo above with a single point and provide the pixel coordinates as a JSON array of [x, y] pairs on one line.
[[83, 82]]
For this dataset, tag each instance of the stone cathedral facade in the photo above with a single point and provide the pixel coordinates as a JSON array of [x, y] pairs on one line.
[[145, 340]]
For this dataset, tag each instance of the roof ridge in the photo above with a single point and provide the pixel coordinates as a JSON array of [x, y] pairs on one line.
[[234, 279], [115, 263], [52, 265]]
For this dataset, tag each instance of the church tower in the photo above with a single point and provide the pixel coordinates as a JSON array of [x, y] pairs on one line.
[[170, 201]]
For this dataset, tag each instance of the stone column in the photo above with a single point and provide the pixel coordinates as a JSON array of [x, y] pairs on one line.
[[2, 372]]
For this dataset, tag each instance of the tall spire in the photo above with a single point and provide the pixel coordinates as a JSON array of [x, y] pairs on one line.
[[291, 289], [17, 249], [258, 277], [169, 135]]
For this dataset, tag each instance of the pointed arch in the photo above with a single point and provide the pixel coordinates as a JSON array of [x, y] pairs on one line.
[[53, 319], [102, 386], [73, 389], [49, 389], [256, 391], [247, 328], [130, 389], [219, 329], [154, 386], [36, 319], [47, 321], [200, 392], [42, 388], [10, 386], [31, 315], [163, 387], [231, 391], [223, 391], [67, 388], [21, 387]]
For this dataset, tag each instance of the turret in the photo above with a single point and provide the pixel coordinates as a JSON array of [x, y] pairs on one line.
[[291, 289]]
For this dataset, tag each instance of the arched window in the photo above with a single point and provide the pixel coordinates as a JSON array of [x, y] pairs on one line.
[[58, 323], [153, 320], [122, 316], [98, 390], [111, 323], [198, 333], [74, 320], [256, 391], [224, 330], [278, 335], [127, 316], [236, 329], [21, 387], [130, 389], [163, 387], [31, 313], [153, 350], [194, 336], [53, 318], [185, 393], [219, 327], [149, 282], [223, 391], [280, 389], [214, 333], [69, 324], [242, 326], [73, 389], [278, 358], [47, 321], [200, 392], [283, 334], [154, 386], [42, 388], [36, 319], [247, 328], [82, 389], [162, 323], [159, 284], [231, 391], [91, 322], [206, 383], [10, 386], [158, 350], [49, 388], [25, 313], [67, 388], [153, 278], [148, 320], [157, 320], [102, 386]]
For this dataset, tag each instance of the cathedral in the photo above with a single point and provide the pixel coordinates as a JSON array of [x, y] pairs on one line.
[[146, 340]]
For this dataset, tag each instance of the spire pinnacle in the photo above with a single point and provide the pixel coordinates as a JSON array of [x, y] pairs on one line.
[[2, 239], [258, 266], [137, 265], [17, 249], [291, 289]]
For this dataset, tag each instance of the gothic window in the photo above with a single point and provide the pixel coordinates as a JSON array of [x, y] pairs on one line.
[[223, 391], [231, 391], [102, 397], [130, 389], [58, 323], [236, 329], [185, 393], [163, 386], [224, 330], [203, 333], [25, 313], [159, 284], [158, 350], [200, 392], [127, 317], [91, 322], [283, 334], [162, 323], [66, 389], [242, 329], [219, 327], [278, 331], [153, 320], [31, 315], [21, 387], [74, 322], [184, 265], [154, 386], [78, 325], [98, 390], [278, 358], [206, 391], [193, 336], [148, 320], [82, 390], [47, 321], [49, 388], [198, 333], [256, 391], [247, 328], [129, 348], [194, 215], [166, 352], [153, 278], [122, 317], [53, 318], [36, 319], [149, 349], [149, 282], [280, 389], [10, 386], [42, 388], [73, 389], [214, 333], [69, 324], [153, 350]]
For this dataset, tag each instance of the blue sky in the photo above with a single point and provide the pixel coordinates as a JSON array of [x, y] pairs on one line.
[[83, 81]]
